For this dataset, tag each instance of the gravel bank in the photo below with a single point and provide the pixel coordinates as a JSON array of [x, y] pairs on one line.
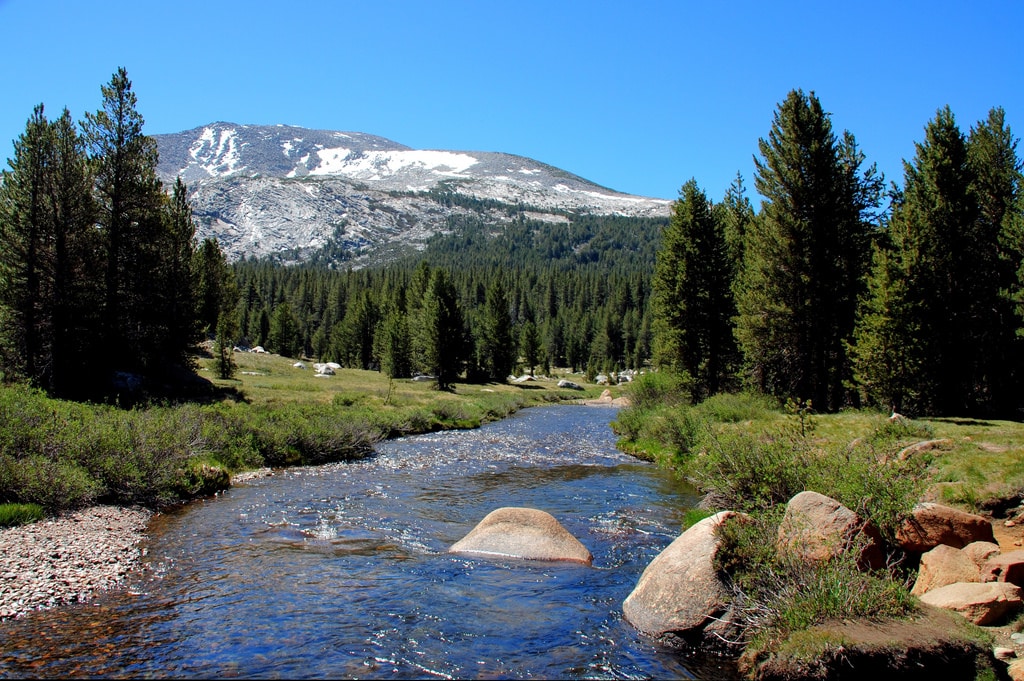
[[68, 559]]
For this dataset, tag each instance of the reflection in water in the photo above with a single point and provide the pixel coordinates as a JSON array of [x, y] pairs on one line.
[[343, 570]]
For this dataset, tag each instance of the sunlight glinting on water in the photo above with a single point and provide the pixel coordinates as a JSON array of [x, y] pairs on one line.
[[343, 569]]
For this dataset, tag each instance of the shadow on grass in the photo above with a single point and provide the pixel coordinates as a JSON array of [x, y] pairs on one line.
[[963, 422]]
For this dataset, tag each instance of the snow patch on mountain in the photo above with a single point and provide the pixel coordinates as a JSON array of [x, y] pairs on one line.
[[377, 165], [216, 152]]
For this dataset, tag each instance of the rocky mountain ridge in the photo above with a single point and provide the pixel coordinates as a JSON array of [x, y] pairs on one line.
[[264, 190]]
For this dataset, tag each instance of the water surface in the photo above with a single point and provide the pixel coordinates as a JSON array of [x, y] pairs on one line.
[[342, 570]]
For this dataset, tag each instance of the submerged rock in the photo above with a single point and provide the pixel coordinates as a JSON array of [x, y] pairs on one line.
[[523, 533]]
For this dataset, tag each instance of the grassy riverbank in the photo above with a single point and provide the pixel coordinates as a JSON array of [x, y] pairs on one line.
[[56, 455], [748, 454]]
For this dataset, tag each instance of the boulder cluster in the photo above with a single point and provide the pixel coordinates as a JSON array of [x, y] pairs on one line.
[[682, 597], [961, 567]]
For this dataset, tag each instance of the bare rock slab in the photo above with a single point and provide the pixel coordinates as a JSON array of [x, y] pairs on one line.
[[943, 566], [981, 603], [933, 524], [680, 592], [526, 533]]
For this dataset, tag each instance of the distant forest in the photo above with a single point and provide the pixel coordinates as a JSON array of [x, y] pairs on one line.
[[538, 294], [835, 291]]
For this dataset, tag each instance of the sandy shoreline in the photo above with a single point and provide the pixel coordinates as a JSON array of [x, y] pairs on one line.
[[68, 559]]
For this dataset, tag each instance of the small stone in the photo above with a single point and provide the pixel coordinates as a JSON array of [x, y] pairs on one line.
[[1017, 637], [1009, 523], [1004, 653]]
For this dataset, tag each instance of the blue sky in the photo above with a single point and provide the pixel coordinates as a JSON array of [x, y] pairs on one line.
[[638, 96]]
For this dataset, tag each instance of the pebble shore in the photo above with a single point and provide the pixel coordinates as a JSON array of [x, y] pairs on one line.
[[68, 559]]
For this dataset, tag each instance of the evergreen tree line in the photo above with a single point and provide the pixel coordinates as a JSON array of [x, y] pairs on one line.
[[826, 295], [98, 263], [483, 319]]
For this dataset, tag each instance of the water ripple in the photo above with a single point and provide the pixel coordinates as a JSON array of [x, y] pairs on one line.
[[343, 570]]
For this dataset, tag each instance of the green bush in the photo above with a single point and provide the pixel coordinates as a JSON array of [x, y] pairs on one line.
[[54, 485], [747, 472], [776, 593], [657, 389], [20, 514], [735, 407]]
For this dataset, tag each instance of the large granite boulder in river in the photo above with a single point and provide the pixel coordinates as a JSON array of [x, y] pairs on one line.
[[523, 533], [680, 593]]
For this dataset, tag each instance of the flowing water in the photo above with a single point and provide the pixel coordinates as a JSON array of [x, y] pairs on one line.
[[343, 570]]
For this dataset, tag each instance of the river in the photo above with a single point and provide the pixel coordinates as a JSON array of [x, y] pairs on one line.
[[343, 571]]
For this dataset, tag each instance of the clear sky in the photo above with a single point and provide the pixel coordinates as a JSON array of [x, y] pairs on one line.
[[635, 95]]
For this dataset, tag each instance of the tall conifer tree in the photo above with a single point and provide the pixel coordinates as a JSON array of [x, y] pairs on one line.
[[441, 330], [933, 337], [497, 344], [131, 218], [805, 256], [693, 300]]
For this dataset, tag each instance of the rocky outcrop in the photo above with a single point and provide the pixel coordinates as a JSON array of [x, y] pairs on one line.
[[817, 528], [942, 566], [981, 603], [680, 592], [523, 533], [933, 524]]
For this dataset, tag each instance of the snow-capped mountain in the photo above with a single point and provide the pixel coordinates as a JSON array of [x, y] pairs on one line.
[[267, 189]]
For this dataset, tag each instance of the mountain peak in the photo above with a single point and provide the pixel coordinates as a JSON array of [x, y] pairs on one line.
[[261, 189]]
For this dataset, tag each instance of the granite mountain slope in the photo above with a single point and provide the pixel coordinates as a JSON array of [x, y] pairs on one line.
[[293, 192]]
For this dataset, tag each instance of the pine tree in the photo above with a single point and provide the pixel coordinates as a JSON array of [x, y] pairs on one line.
[[529, 342], [497, 345], [47, 235], [76, 292], [992, 156], [224, 344], [393, 344], [441, 330], [132, 222], [693, 298], [213, 278], [176, 326], [805, 256], [283, 336], [919, 341], [25, 220]]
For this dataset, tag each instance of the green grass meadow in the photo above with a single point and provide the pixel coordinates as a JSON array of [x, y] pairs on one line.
[[59, 455]]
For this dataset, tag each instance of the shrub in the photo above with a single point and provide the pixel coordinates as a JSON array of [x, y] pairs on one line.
[[777, 594], [735, 407], [746, 472], [54, 485], [656, 389]]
